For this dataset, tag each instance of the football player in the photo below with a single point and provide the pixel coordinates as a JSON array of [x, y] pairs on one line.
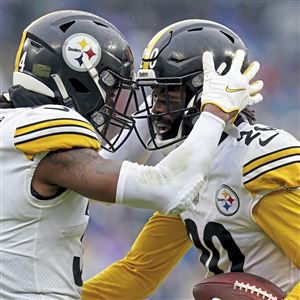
[[246, 215], [71, 68]]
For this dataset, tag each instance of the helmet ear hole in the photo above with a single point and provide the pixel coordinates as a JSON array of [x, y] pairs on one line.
[[78, 86]]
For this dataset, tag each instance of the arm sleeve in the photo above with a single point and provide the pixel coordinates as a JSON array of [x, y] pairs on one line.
[[171, 185], [278, 214], [160, 245]]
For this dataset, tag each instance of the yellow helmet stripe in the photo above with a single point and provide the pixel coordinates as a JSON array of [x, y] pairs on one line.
[[155, 39], [18, 56]]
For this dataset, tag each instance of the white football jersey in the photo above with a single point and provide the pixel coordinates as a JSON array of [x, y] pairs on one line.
[[221, 225], [40, 240]]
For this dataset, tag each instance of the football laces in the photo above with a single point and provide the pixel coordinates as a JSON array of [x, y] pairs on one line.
[[254, 290]]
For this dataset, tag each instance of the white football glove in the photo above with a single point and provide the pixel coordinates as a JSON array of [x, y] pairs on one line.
[[232, 91]]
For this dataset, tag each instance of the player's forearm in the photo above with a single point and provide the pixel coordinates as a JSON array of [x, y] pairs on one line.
[[118, 281], [179, 175], [159, 246]]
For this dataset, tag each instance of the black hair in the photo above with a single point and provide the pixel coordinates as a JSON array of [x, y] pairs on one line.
[[250, 114]]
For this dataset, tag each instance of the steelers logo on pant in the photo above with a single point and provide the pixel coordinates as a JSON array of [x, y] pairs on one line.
[[81, 45], [227, 201]]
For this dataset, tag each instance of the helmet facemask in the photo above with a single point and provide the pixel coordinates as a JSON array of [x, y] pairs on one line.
[[113, 119], [171, 110]]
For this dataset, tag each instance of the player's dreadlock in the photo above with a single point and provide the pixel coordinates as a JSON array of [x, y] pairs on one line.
[[250, 114]]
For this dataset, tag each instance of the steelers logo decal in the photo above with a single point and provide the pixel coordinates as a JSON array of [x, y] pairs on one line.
[[81, 45], [227, 201]]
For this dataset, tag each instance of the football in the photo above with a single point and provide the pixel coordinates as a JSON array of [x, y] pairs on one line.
[[237, 285]]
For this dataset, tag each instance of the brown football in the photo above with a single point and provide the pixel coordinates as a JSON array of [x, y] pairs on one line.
[[237, 285]]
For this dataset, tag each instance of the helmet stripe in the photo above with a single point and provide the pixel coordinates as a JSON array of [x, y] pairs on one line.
[[18, 56], [155, 39]]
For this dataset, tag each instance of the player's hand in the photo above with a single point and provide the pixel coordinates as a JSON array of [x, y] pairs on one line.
[[233, 91]]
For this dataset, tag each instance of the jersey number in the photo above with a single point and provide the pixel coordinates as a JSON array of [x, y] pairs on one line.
[[213, 229], [77, 269], [22, 62]]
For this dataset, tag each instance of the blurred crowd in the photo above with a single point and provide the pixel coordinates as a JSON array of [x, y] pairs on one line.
[[270, 29]]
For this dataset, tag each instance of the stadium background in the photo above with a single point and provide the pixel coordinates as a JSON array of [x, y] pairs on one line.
[[270, 29]]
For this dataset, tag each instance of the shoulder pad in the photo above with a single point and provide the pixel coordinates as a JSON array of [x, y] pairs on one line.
[[273, 160], [53, 127]]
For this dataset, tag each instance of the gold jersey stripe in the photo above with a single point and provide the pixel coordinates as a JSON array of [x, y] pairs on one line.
[[33, 127], [155, 39], [63, 141], [280, 177], [46, 128], [56, 134], [269, 158]]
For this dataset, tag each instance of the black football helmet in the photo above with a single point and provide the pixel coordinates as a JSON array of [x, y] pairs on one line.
[[173, 59], [82, 61]]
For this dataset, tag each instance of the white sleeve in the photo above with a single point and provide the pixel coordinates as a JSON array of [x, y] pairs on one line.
[[172, 184], [132, 149]]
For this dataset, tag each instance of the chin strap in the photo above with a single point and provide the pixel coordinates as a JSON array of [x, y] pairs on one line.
[[95, 76], [67, 100]]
